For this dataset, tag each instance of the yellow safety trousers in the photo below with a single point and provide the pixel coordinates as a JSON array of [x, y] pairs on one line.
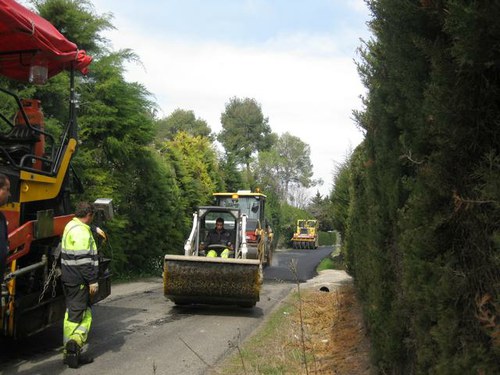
[[77, 331], [213, 254]]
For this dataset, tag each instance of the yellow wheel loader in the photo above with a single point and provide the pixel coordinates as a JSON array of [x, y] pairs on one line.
[[229, 277], [306, 235]]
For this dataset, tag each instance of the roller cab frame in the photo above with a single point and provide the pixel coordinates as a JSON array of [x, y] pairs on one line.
[[259, 234]]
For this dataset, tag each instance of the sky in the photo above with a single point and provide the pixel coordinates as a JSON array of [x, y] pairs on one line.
[[296, 58]]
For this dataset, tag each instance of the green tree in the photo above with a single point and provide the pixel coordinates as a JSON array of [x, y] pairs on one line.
[[321, 208], [68, 16], [295, 162], [339, 200], [231, 175], [196, 169], [181, 120], [266, 172], [286, 165], [115, 161], [245, 130], [114, 158]]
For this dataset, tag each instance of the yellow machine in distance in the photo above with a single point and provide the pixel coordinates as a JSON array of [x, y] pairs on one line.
[[306, 235]]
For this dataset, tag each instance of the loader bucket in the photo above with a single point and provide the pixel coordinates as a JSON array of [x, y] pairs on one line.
[[196, 279]]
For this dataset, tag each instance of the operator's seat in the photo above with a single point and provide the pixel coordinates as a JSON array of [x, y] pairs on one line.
[[19, 141], [20, 134]]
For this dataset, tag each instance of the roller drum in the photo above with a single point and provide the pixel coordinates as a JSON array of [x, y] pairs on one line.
[[192, 279]]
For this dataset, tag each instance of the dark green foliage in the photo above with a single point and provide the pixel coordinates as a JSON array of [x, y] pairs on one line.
[[245, 130], [181, 120], [230, 173], [273, 214], [69, 16], [118, 112], [327, 239], [339, 198], [155, 225], [321, 208], [115, 161], [195, 167], [423, 220], [114, 158]]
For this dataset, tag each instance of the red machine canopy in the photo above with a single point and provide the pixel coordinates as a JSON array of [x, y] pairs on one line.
[[27, 40]]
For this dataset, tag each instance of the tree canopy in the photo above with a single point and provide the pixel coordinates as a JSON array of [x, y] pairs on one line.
[[245, 130], [287, 165], [181, 120]]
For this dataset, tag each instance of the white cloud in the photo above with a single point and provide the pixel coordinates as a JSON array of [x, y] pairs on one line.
[[311, 95]]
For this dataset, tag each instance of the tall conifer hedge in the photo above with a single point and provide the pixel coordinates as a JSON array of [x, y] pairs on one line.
[[423, 232]]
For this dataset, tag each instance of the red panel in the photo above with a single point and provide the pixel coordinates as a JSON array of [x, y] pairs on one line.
[[22, 237]]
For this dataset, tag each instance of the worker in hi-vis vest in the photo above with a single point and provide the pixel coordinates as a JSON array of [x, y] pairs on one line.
[[79, 274]]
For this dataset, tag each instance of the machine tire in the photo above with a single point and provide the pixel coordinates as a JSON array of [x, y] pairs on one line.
[[249, 305]]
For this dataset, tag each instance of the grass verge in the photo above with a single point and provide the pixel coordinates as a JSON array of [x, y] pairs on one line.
[[333, 262], [335, 338]]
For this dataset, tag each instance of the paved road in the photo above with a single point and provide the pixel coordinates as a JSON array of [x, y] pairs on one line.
[[306, 260], [136, 331]]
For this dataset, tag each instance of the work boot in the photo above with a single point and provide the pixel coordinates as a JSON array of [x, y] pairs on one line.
[[83, 358], [72, 354]]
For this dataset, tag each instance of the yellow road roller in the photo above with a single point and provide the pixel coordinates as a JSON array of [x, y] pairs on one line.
[[306, 235]]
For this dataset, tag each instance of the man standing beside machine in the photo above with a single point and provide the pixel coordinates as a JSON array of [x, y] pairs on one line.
[[79, 274]]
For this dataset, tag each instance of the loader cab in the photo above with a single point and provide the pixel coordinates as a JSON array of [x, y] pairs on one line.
[[208, 217]]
